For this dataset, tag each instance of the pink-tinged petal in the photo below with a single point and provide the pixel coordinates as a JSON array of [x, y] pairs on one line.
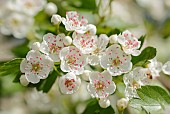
[[31, 77], [32, 54]]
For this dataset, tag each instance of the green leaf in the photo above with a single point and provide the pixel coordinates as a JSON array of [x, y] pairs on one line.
[[50, 81], [142, 39], [88, 4], [152, 98], [147, 54], [93, 107], [11, 67]]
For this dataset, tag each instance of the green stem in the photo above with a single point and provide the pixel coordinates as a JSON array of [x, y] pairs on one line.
[[57, 70], [121, 112], [69, 33], [58, 28]]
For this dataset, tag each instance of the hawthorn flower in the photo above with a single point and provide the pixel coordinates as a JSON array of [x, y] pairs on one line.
[[69, 83], [130, 44], [29, 7], [36, 66], [166, 68], [52, 45], [100, 46], [72, 60], [85, 42], [134, 80], [16, 24], [154, 68], [116, 61], [73, 23], [101, 84]]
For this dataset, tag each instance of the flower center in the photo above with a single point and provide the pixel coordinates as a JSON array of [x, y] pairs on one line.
[[71, 59], [96, 51], [15, 22], [70, 84], [99, 85], [116, 62], [36, 67], [54, 49], [135, 84], [28, 5]]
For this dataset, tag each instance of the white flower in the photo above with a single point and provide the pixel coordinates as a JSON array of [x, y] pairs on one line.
[[35, 46], [73, 23], [56, 19], [113, 39], [51, 8], [134, 80], [36, 66], [166, 68], [16, 24], [130, 44], [116, 61], [85, 42], [154, 68], [122, 104], [72, 60], [101, 43], [101, 84], [104, 102], [23, 80], [52, 45], [29, 7], [69, 83]]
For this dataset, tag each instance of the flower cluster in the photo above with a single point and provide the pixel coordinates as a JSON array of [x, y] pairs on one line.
[[19, 15], [74, 53]]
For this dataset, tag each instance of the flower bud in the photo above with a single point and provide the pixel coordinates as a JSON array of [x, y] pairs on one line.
[[67, 40], [122, 104], [55, 19], [113, 38], [91, 29], [51, 8], [35, 46], [104, 102], [86, 75], [23, 80]]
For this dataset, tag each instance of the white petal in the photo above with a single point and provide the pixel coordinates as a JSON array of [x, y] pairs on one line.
[[107, 75], [93, 76], [136, 52], [63, 53], [54, 57], [111, 88], [93, 60], [103, 41], [104, 102], [23, 65], [33, 78], [166, 68], [104, 61], [64, 67]]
